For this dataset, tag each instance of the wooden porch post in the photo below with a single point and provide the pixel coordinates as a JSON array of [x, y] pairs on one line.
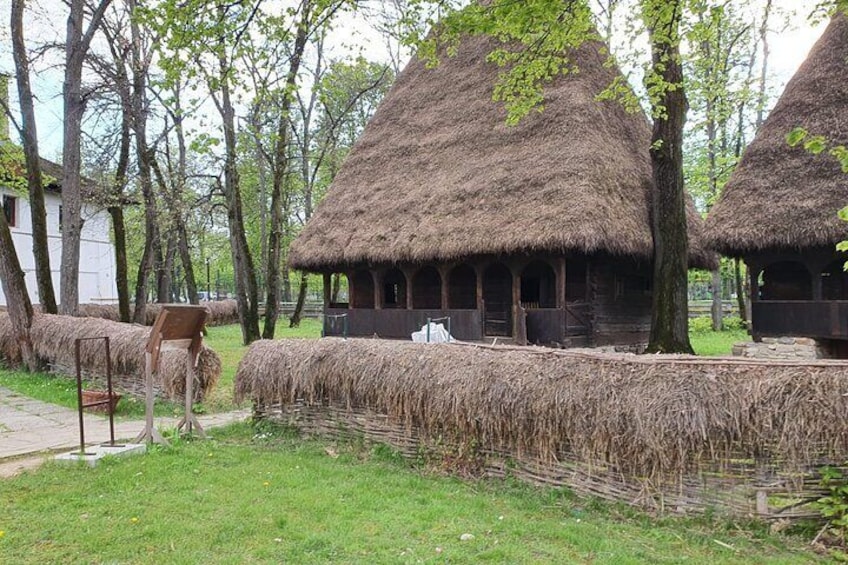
[[560, 283], [328, 289], [754, 271], [817, 286], [351, 291], [517, 321], [478, 270], [815, 268], [444, 272], [378, 289], [408, 275]]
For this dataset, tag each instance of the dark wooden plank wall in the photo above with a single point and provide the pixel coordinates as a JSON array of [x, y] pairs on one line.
[[808, 318], [621, 302]]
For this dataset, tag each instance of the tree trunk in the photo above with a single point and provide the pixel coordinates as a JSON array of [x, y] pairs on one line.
[[76, 46], [145, 267], [188, 267], [121, 268], [166, 270], [17, 298], [294, 320], [246, 290], [143, 158], [669, 317], [29, 133], [761, 93], [717, 306], [74, 106], [275, 238], [287, 287]]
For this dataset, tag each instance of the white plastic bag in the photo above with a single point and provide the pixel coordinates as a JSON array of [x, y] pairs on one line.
[[438, 334]]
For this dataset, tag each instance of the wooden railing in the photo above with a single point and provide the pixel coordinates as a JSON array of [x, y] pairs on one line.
[[807, 318]]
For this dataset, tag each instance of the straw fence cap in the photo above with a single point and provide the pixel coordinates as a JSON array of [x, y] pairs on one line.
[[437, 174], [782, 197]]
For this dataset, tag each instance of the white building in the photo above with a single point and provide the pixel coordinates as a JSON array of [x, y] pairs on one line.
[[97, 252]]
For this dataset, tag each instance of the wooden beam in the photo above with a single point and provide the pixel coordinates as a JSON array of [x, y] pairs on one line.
[[408, 275], [479, 270], [378, 289], [444, 271], [328, 289], [560, 282], [516, 304]]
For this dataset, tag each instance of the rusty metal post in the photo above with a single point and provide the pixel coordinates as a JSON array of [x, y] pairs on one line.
[[79, 396]]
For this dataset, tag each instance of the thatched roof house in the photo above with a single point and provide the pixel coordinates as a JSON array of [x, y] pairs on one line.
[[438, 180], [779, 208]]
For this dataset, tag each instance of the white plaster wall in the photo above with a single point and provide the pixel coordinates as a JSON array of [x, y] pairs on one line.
[[97, 253]]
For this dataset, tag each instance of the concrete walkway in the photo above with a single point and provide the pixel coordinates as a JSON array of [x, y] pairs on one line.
[[30, 428]]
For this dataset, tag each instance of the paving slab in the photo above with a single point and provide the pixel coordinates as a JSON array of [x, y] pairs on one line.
[[29, 427]]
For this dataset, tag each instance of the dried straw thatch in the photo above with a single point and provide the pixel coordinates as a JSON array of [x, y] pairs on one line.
[[437, 175], [220, 313], [642, 416], [782, 197], [53, 339]]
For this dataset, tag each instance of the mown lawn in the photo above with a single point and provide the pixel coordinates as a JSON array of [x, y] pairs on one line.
[[268, 497], [710, 343], [226, 341]]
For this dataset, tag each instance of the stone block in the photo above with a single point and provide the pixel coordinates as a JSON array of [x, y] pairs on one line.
[[93, 454]]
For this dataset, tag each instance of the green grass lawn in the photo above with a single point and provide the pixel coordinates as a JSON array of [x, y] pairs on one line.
[[247, 497], [62, 390], [226, 341], [710, 343]]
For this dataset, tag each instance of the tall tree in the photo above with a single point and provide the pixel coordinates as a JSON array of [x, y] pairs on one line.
[[115, 77], [280, 169], [11, 274], [77, 42], [35, 187], [669, 313], [202, 40]]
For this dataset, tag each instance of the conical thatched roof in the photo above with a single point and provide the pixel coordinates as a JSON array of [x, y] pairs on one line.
[[437, 175], [780, 196]]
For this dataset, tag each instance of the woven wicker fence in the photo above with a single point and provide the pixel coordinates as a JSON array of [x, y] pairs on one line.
[[668, 433]]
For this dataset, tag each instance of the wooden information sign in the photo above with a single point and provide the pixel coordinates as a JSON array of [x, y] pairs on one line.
[[176, 327]]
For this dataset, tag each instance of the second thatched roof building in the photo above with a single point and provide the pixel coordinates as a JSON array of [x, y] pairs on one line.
[[779, 208], [538, 231]]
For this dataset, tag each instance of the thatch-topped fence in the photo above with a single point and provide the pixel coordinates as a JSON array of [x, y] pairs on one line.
[[681, 433], [219, 313], [53, 339]]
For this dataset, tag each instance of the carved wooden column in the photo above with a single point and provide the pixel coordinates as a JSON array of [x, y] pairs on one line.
[[328, 290], [377, 276], [479, 270], [444, 272], [815, 267], [408, 275], [518, 322], [560, 283], [351, 291]]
